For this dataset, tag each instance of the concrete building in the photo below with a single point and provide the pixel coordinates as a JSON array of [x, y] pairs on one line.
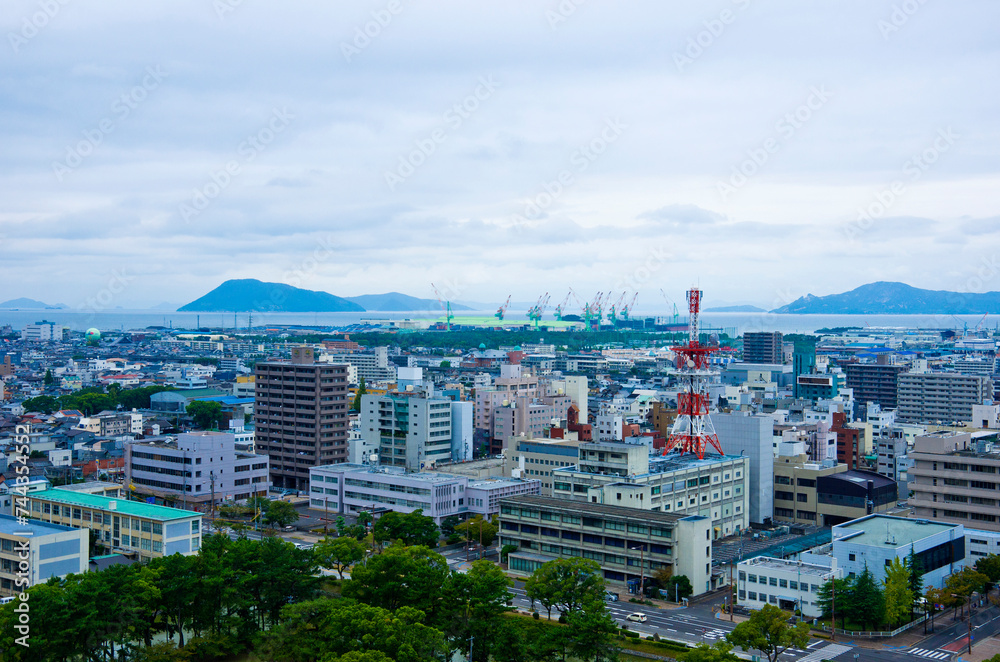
[[826, 493], [626, 475], [850, 450], [762, 347], [627, 543], [574, 386], [751, 436], [788, 585], [819, 386], [124, 526], [538, 458], [941, 396], [874, 382], [411, 430], [31, 552], [893, 459], [953, 481], [45, 331], [876, 540], [351, 488], [300, 416], [196, 468], [372, 366]]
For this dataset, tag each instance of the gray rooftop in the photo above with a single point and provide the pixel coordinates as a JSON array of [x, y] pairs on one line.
[[796, 566], [29, 528], [874, 530], [585, 508]]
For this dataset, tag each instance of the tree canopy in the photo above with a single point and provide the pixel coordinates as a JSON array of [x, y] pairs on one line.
[[768, 631], [409, 528]]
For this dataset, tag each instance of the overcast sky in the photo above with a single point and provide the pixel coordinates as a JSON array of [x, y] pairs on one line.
[[152, 150]]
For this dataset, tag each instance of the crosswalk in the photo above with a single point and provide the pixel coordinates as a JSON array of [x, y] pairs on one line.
[[933, 655], [825, 653]]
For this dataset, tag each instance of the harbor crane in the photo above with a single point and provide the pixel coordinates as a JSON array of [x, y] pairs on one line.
[[445, 307], [535, 312], [502, 310]]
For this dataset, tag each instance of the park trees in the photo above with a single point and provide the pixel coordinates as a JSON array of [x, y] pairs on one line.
[[566, 583], [409, 528], [867, 600], [768, 631], [898, 596], [400, 576], [206, 414], [478, 529], [280, 514], [339, 553]]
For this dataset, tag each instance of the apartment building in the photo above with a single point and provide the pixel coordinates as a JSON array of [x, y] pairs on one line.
[[300, 416], [627, 543], [762, 347], [351, 488], [45, 331], [927, 397], [372, 366], [195, 469], [954, 479], [626, 475], [35, 551], [410, 429], [893, 459], [751, 436], [874, 382], [125, 526]]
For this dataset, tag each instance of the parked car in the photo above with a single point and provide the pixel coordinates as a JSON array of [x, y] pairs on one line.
[[636, 617], [610, 597]]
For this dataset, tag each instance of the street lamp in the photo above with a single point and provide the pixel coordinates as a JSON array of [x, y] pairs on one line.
[[642, 566]]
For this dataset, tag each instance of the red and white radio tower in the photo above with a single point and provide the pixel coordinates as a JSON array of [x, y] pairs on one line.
[[693, 429]]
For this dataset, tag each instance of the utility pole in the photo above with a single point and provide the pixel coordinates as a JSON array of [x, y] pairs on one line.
[[833, 608], [211, 476]]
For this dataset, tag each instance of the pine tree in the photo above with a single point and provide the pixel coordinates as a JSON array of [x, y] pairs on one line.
[[916, 569], [356, 405], [868, 601]]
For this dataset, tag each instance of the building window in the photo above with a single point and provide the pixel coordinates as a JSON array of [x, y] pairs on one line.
[[852, 557]]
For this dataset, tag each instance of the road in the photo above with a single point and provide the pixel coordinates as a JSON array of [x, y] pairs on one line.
[[697, 624]]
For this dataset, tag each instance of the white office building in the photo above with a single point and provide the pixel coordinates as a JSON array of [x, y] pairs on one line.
[[788, 585]]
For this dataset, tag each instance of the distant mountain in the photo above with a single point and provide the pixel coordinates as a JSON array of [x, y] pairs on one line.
[[249, 294], [31, 303], [745, 308], [888, 298], [394, 301], [165, 305]]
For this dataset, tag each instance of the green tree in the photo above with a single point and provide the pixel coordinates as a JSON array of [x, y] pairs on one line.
[[768, 631], [324, 630], [43, 404], [898, 597], [48, 379], [962, 584], [835, 595], [566, 583], [339, 553], [207, 414], [410, 528], [356, 405], [356, 531], [720, 651], [678, 587], [448, 525], [591, 632], [280, 514], [989, 566], [473, 603], [400, 576], [478, 529], [867, 601]]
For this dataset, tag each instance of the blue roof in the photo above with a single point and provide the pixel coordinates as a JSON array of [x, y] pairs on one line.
[[32, 527]]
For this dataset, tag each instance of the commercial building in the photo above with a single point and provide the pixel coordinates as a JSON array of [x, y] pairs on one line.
[[351, 488], [33, 551], [826, 493], [195, 469], [815, 387], [44, 331], [849, 442], [927, 397], [762, 347], [803, 361], [751, 436], [874, 541], [372, 366], [538, 458], [788, 585], [874, 382], [300, 416], [124, 526], [626, 475], [893, 459], [628, 544], [954, 481]]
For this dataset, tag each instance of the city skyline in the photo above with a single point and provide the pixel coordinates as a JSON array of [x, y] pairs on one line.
[[760, 152]]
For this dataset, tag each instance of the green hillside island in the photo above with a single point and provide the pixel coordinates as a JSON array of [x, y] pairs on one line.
[[250, 294], [889, 298]]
